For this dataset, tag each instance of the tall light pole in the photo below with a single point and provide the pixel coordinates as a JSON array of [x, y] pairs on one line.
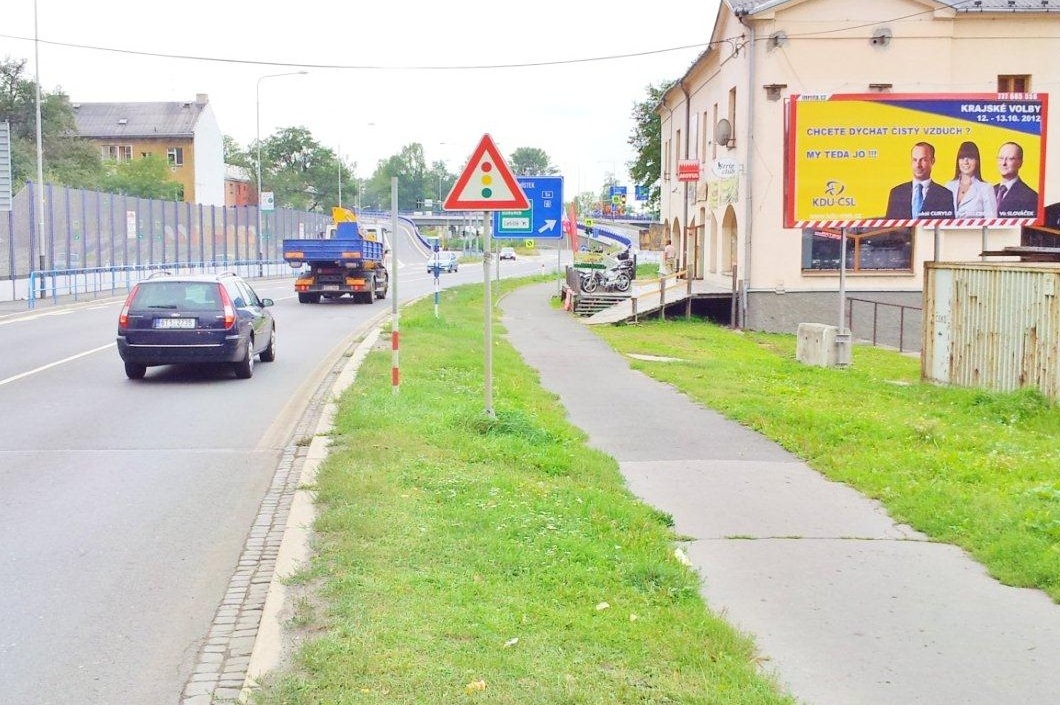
[[40, 158], [257, 134]]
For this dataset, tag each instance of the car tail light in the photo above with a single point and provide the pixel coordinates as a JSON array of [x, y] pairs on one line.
[[230, 311], [123, 317]]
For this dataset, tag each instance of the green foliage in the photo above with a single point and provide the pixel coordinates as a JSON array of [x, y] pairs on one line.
[[145, 177], [67, 159], [646, 141], [531, 161]]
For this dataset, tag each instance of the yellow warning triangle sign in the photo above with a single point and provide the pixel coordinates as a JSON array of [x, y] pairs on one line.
[[486, 184]]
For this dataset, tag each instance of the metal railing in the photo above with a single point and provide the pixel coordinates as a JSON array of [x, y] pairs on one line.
[[888, 329], [77, 283]]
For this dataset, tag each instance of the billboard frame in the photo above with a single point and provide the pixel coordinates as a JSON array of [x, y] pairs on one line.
[[813, 196]]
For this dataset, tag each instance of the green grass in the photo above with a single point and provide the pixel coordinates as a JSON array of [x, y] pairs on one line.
[[969, 467], [456, 550]]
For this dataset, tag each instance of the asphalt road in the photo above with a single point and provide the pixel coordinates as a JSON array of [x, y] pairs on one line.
[[126, 503]]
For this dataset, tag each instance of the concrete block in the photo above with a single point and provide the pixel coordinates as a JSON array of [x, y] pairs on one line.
[[816, 345]]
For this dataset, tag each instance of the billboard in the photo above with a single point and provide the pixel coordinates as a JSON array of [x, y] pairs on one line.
[[888, 159]]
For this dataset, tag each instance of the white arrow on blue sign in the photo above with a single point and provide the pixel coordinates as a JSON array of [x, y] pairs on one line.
[[543, 220]]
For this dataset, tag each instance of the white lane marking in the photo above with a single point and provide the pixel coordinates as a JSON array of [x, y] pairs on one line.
[[35, 316], [56, 363]]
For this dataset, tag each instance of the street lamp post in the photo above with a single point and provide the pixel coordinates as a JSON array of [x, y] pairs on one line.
[[257, 137]]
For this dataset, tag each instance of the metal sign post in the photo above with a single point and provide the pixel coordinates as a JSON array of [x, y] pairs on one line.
[[488, 299], [487, 184]]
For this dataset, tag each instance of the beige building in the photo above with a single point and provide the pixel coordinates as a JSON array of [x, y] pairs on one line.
[[185, 133], [729, 112]]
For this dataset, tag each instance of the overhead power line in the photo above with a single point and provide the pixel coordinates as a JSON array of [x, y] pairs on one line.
[[362, 67]]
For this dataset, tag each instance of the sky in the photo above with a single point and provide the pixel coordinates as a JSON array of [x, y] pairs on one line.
[[383, 74]]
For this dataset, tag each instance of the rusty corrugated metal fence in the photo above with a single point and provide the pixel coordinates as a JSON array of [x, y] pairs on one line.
[[992, 325]]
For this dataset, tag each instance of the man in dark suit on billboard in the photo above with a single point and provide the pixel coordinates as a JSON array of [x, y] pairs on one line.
[[921, 197], [1015, 199]]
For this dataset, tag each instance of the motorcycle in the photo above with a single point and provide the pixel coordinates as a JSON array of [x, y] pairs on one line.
[[618, 277]]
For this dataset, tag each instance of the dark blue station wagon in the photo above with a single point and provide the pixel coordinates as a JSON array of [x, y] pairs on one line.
[[195, 319]]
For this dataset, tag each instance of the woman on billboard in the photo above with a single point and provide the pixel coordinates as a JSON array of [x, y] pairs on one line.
[[972, 197]]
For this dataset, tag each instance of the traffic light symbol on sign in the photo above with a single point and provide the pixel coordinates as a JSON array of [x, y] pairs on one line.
[[486, 183]]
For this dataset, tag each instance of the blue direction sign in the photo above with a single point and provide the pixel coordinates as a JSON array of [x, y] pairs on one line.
[[544, 218]]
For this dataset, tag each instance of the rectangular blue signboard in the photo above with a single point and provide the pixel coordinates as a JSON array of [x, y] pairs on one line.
[[543, 220]]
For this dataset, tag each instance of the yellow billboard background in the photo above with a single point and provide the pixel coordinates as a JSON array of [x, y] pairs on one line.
[[848, 154]]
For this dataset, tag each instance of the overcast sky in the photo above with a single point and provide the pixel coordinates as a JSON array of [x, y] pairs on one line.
[[579, 112]]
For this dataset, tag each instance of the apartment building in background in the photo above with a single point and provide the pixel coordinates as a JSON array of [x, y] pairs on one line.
[[185, 133]]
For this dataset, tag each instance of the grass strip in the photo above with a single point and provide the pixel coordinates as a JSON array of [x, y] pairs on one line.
[[464, 558], [969, 467]]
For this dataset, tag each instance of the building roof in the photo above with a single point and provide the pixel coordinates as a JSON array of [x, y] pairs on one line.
[[139, 120], [969, 6], [237, 173]]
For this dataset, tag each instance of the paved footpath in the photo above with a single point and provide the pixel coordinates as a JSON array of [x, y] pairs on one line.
[[846, 606]]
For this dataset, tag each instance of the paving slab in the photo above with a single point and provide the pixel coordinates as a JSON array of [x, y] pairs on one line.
[[847, 606]]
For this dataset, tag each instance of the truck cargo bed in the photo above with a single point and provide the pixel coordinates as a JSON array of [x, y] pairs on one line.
[[335, 250]]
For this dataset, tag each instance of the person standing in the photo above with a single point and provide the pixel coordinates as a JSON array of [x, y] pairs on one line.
[[921, 197], [972, 197], [1015, 199], [668, 257]]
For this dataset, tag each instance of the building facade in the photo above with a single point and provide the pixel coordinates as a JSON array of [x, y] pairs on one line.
[[186, 134], [729, 112]]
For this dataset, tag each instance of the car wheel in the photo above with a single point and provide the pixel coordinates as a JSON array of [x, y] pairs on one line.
[[269, 353], [245, 368], [134, 370]]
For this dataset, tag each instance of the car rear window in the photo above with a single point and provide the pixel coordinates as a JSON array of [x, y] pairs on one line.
[[179, 295]]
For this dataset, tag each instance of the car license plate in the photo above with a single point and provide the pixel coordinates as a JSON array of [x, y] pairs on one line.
[[330, 287], [182, 323]]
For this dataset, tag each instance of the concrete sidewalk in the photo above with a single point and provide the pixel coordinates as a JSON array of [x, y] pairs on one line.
[[846, 606]]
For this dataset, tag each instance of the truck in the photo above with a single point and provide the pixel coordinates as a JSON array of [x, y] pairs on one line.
[[346, 260]]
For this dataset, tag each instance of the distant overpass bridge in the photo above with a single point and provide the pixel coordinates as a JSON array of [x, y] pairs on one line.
[[601, 229]]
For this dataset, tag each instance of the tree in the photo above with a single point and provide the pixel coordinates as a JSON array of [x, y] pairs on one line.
[[440, 182], [586, 202], [300, 172], [646, 141], [410, 168], [236, 155], [145, 177], [67, 159], [531, 161]]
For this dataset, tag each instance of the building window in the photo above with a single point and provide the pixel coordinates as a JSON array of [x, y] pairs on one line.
[[868, 249], [732, 115], [176, 156], [116, 152], [1013, 84], [714, 141], [703, 152]]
